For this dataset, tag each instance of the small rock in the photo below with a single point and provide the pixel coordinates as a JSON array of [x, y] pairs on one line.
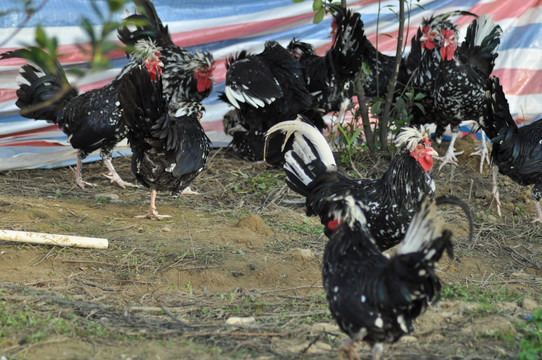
[[166, 229], [409, 339], [240, 321], [529, 304], [319, 328], [301, 254]]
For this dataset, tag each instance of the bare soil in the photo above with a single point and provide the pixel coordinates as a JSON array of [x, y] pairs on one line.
[[242, 248]]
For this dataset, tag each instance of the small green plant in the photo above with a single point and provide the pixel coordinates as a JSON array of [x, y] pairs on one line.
[[188, 288], [349, 142], [531, 344], [520, 210], [103, 200], [228, 297], [256, 185], [404, 104], [319, 9], [170, 287]]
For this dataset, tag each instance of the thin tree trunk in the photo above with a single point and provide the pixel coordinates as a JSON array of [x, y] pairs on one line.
[[363, 110], [364, 113], [391, 86]]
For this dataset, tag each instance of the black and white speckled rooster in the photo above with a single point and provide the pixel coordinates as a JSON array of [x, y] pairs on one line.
[[423, 61], [374, 298], [265, 89], [168, 151], [392, 200], [187, 76], [331, 78], [460, 82], [91, 120], [516, 152]]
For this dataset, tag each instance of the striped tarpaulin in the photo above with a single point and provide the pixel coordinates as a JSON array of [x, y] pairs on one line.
[[225, 27]]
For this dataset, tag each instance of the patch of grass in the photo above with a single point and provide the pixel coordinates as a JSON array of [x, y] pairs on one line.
[[505, 338], [256, 185], [485, 309], [212, 254], [474, 293], [531, 344], [23, 324], [307, 227], [103, 200]]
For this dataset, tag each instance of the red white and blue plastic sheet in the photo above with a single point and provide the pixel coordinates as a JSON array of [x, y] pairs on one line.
[[225, 27]]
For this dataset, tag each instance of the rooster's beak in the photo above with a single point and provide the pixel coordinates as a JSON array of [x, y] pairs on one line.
[[431, 152]]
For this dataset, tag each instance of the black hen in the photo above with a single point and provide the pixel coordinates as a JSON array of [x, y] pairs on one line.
[[265, 89], [391, 200], [168, 151], [91, 120], [187, 77], [516, 152], [374, 298], [331, 78], [460, 82], [380, 66]]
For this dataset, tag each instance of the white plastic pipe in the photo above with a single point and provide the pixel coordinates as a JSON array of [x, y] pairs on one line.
[[53, 239]]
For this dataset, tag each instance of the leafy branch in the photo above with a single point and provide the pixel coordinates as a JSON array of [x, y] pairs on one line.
[[98, 46]]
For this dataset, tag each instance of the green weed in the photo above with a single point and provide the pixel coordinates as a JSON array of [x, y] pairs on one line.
[[103, 200], [531, 344]]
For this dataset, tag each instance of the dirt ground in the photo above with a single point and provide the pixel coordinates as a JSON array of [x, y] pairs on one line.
[[240, 263]]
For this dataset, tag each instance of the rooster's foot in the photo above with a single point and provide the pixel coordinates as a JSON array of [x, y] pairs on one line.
[[497, 202], [538, 218], [347, 346], [115, 178], [450, 157], [82, 184], [483, 153], [153, 215], [188, 191]]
